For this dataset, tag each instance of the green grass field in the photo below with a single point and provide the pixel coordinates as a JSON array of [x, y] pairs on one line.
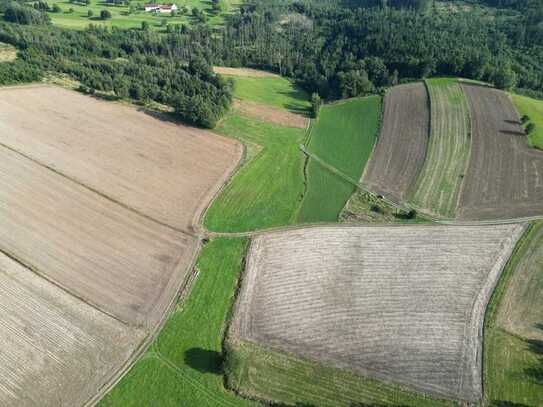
[[183, 366], [343, 136], [534, 109], [123, 18], [273, 91], [267, 190], [438, 186], [513, 365], [256, 371]]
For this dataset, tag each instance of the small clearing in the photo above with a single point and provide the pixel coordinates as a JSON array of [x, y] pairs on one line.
[[8, 52], [400, 304]]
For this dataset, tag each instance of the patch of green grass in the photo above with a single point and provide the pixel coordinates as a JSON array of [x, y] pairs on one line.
[[343, 136], [79, 19], [513, 366], [267, 190], [533, 108], [183, 366], [439, 183], [273, 91], [256, 371]]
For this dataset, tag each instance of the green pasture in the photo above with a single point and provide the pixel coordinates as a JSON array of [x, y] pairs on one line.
[[183, 367], [533, 108], [343, 137]]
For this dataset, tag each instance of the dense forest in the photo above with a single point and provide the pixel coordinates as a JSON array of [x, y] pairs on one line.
[[334, 48]]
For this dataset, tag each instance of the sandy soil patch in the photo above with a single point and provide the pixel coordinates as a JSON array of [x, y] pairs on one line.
[[401, 148], [402, 304], [56, 350], [244, 72], [122, 262], [270, 114], [7, 52], [166, 171], [505, 175]]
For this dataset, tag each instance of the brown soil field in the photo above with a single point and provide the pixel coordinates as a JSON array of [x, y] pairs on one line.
[[401, 148], [166, 171], [123, 263], [401, 304], [245, 72], [56, 349], [505, 175], [7, 52], [521, 310], [270, 114]]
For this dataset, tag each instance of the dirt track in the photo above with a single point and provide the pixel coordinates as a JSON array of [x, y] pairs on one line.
[[402, 304], [163, 170], [56, 350], [401, 148], [505, 175]]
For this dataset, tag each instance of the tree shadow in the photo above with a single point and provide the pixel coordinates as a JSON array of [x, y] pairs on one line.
[[204, 361], [502, 403], [536, 347], [513, 133], [512, 121]]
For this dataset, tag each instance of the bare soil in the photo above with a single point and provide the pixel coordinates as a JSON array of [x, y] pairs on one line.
[[56, 349], [505, 175], [401, 148], [244, 72], [123, 263], [401, 304], [161, 169], [8, 52], [270, 114]]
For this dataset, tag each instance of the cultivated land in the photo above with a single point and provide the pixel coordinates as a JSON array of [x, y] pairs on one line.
[[56, 349], [271, 114], [165, 171], [183, 366], [513, 328], [402, 304], [244, 72], [505, 175], [122, 17], [343, 136], [401, 149], [121, 262], [439, 184], [534, 109]]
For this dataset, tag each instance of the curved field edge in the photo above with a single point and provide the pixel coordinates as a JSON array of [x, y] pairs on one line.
[[183, 365], [258, 372], [513, 365], [343, 136], [439, 183]]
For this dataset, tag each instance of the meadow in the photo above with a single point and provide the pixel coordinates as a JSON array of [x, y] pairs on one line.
[[533, 108], [131, 14], [343, 137], [183, 366]]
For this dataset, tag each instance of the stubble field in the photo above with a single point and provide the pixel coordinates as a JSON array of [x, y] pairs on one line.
[[401, 304], [505, 174], [401, 148]]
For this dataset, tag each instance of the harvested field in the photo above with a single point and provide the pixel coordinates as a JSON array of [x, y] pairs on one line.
[[117, 260], [401, 304], [56, 349], [163, 170], [244, 72], [439, 184], [401, 148], [271, 114], [505, 175]]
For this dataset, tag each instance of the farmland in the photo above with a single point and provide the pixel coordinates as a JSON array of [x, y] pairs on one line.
[[343, 136], [131, 15], [503, 179], [439, 184], [533, 108], [401, 148], [120, 160], [52, 340], [513, 328], [292, 300]]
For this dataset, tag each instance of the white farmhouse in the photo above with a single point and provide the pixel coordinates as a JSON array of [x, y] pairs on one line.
[[160, 8]]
